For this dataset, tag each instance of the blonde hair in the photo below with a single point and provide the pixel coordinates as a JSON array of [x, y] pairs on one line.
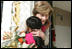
[[42, 7]]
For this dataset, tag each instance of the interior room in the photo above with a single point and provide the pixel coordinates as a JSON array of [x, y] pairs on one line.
[[13, 13]]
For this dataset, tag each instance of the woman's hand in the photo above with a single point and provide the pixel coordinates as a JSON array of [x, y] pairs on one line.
[[33, 45], [38, 32]]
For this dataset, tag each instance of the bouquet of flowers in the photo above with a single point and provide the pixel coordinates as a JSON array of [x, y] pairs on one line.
[[17, 40]]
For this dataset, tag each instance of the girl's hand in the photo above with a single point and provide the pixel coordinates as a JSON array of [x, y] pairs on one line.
[[38, 32]]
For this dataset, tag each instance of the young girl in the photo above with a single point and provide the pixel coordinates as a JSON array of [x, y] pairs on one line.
[[43, 10], [34, 23]]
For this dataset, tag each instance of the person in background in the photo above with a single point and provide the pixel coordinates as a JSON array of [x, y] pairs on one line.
[[43, 10]]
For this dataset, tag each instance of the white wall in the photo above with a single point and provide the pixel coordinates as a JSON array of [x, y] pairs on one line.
[[65, 5], [6, 17], [63, 36]]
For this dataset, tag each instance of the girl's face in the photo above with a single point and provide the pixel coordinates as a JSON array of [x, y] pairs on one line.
[[43, 17]]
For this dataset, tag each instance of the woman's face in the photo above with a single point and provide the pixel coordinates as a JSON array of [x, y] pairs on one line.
[[43, 17]]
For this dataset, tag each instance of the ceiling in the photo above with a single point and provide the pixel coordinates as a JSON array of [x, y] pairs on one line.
[[65, 5]]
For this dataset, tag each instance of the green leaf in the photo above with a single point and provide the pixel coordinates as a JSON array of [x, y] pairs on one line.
[[24, 40]]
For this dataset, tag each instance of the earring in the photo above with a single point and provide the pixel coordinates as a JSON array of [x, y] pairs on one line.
[[30, 29]]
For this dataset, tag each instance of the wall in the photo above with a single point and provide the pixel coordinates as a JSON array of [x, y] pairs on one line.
[[6, 17], [62, 28], [65, 5], [63, 36], [66, 17]]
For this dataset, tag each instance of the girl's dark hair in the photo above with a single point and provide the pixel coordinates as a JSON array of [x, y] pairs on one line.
[[34, 22], [39, 41]]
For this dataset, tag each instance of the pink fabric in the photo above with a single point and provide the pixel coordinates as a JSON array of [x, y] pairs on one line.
[[29, 38], [43, 28]]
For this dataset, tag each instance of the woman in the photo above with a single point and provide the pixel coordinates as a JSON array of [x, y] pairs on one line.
[[43, 10]]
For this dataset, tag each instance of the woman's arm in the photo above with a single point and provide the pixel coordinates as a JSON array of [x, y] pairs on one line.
[[46, 41], [48, 23], [44, 36], [38, 33], [47, 37]]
